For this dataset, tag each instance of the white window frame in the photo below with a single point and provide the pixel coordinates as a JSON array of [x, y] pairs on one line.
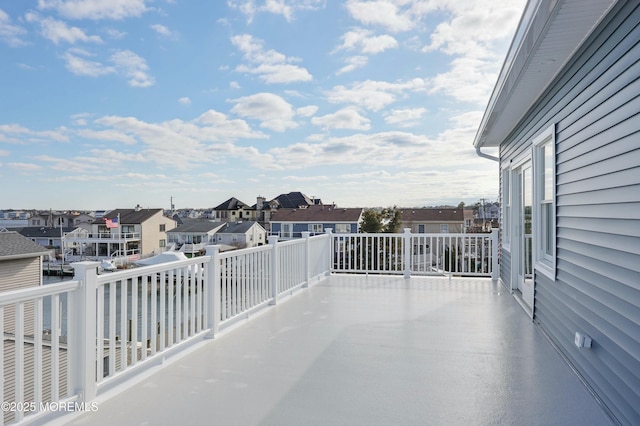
[[422, 228], [343, 228], [288, 233], [316, 228], [507, 196], [544, 224], [444, 228]]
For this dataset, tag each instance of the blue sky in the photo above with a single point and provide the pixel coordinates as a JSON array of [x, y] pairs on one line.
[[112, 103]]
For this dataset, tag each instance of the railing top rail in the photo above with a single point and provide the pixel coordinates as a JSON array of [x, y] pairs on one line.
[[26, 294], [415, 234], [148, 270], [233, 253]]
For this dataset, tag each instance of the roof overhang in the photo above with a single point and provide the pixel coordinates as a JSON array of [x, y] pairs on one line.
[[549, 33]]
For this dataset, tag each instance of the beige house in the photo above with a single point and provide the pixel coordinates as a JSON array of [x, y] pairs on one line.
[[133, 233], [433, 220]]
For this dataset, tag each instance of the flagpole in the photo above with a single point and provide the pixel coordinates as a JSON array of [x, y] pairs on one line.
[[119, 235]]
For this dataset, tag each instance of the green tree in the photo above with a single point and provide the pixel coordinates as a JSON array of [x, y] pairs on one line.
[[371, 221], [392, 218]]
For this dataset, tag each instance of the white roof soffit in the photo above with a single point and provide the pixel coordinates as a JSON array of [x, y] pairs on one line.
[[549, 33]]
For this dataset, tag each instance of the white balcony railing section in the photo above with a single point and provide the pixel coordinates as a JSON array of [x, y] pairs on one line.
[[416, 254], [70, 341]]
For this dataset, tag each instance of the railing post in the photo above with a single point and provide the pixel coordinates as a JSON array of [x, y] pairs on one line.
[[84, 341], [407, 252], [495, 267], [307, 258], [329, 232], [213, 291], [275, 269]]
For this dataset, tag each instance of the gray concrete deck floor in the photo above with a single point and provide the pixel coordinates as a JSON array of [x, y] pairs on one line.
[[356, 350]]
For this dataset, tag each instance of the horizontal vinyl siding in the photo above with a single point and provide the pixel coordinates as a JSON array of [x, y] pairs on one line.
[[595, 106], [16, 274]]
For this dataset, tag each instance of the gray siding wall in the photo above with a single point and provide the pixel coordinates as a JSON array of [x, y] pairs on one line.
[[16, 274], [596, 108]]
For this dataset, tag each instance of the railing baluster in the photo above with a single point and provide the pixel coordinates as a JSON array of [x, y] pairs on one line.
[[112, 328], [19, 357]]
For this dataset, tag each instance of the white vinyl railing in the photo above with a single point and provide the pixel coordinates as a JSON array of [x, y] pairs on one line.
[[416, 254], [72, 340]]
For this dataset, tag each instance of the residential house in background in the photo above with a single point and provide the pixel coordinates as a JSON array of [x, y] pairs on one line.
[[564, 116], [58, 239], [192, 236], [294, 200], [432, 220], [232, 210], [20, 267], [468, 220], [130, 233], [242, 234], [291, 222]]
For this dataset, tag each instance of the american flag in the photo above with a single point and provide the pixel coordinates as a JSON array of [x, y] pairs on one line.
[[111, 223]]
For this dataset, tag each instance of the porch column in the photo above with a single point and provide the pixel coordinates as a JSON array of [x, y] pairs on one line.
[[329, 232], [275, 273], [495, 266], [307, 258], [406, 242], [83, 344], [213, 290]]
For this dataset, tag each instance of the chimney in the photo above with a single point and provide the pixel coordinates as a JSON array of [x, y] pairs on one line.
[[260, 202]]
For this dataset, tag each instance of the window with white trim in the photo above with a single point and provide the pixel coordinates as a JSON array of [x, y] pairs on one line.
[[544, 169], [287, 230], [315, 228], [343, 228], [444, 228]]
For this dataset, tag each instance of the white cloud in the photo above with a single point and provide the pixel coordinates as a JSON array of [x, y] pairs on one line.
[[374, 149], [58, 31], [24, 134], [405, 117], [468, 80], [269, 65], [346, 118], [107, 135], [132, 67], [364, 41], [9, 33], [271, 110], [384, 13], [185, 101], [115, 34], [373, 95], [353, 62], [95, 9], [286, 8], [80, 66], [163, 30], [24, 168], [306, 111]]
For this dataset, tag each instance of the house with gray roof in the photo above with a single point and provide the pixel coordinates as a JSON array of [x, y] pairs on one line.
[[233, 210], [192, 236], [20, 267], [242, 234], [126, 234]]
